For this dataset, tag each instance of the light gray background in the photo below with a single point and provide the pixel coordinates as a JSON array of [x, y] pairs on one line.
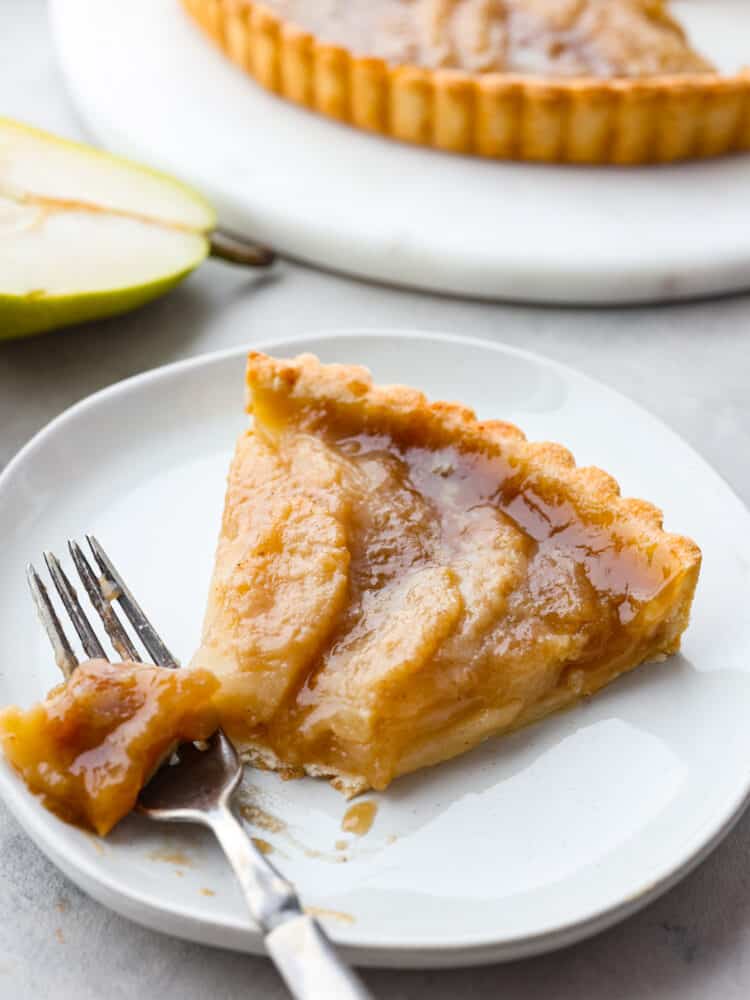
[[689, 364]]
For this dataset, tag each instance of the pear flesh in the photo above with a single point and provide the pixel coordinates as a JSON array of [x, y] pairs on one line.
[[85, 235]]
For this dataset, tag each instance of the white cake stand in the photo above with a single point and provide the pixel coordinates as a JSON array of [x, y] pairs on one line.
[[150, 86]]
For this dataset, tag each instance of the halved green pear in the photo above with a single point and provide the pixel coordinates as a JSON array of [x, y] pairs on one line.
[[84, 234]]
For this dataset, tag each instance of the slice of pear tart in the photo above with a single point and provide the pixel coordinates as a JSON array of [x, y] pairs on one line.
[[396, 580]]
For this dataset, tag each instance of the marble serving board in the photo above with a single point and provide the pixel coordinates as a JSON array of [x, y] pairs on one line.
[[148, 84]]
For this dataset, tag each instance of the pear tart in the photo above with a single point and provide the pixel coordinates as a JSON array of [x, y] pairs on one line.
[[396, 581], [89, 748], [586, 81]]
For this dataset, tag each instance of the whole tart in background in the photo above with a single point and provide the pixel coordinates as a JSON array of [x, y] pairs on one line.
[[580, 81]]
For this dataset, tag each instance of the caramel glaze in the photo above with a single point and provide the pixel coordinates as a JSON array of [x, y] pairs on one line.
[[358, 819], [585, 579]]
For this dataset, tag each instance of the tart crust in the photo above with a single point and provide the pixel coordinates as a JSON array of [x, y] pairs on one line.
[[628, 121]]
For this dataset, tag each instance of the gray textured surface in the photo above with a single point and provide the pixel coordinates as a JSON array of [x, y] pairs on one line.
[[688, 364]]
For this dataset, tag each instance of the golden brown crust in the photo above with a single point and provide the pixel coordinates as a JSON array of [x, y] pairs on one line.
[[503, 116]]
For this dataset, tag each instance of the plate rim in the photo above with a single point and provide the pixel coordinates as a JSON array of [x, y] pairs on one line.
[[420, 954]]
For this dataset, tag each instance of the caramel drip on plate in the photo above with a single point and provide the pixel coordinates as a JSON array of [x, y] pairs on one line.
[[359, 818]]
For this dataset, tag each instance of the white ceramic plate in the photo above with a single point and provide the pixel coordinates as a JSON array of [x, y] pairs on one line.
[[358, 203], [523, 845]]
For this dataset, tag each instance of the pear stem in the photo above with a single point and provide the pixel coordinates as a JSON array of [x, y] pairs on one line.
[[237, 250]]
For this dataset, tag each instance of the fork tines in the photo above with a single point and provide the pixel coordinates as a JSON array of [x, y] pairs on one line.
[[103, 589]]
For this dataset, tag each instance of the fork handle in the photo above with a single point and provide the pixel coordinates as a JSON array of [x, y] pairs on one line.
[[309, 964], [297, 944]]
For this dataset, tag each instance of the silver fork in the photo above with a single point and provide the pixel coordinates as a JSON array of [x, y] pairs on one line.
[[198, 786]]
